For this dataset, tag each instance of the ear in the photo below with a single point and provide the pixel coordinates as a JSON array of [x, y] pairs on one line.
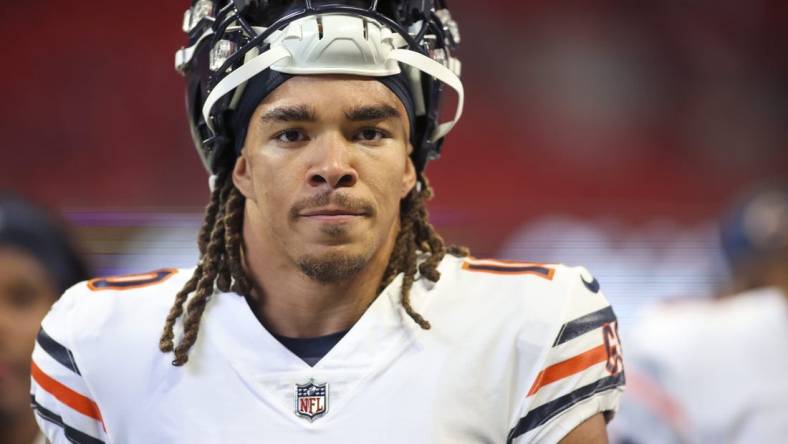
[[409, 178], [242, 177]]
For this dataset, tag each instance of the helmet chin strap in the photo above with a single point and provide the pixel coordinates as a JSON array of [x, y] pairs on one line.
[[310, 46]]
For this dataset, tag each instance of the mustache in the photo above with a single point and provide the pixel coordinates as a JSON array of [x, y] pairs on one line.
[[342, 201]]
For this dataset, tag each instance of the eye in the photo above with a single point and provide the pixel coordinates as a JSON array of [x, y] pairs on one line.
[[371, 135], [291, 136]]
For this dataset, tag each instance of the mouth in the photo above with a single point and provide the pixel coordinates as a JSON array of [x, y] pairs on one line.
[[332, 208], [333, 215]]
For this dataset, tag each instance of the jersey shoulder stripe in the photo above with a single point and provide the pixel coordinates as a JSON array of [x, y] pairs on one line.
[[544, 413], [57, 351], [569, 367], [64, 394], [73, 435], [584, 324]]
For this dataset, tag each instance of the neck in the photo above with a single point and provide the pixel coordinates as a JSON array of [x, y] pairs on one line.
[[291, 304]]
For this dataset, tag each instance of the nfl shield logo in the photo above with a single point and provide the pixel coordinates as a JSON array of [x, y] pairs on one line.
[[311, 400]]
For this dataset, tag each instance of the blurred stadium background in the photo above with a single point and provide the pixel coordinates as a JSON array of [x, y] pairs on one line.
[[606, 133]]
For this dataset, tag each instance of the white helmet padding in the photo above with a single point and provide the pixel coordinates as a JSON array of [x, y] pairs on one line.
[[338, 44]]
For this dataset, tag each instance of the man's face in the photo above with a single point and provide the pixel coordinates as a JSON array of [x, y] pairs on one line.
[[324, 167], [26, 293]]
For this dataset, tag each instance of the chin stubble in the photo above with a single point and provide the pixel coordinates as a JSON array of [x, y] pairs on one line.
[[329, 269]]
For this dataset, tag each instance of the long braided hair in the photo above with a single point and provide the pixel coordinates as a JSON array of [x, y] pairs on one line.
[[220, 265]]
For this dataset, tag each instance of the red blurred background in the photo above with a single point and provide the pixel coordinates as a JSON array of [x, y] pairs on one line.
[[610, 116]]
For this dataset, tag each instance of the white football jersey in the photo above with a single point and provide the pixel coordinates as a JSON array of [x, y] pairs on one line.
[[712, 371], [517, 352]]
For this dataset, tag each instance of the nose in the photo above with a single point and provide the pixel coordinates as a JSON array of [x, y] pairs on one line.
[[331, 166]]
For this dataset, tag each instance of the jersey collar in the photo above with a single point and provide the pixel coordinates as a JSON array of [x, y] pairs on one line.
[[382, 334]]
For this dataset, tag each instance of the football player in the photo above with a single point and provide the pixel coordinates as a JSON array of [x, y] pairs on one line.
[[714, 370], [38, 262], [324, 307]]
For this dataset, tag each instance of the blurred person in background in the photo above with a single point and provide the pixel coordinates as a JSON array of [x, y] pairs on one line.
[[714, 371], [38, 262]]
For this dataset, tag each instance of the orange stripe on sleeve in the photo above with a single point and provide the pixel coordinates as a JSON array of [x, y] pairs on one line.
[[69, 397], [569, 367]]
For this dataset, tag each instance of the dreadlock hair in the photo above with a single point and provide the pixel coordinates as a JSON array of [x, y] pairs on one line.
[[220, 263]]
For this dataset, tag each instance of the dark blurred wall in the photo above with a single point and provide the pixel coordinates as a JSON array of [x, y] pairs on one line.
[[587, 108], [95, 114]]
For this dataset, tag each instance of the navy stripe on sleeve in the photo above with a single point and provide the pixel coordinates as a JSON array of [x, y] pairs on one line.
[[72, 434], [57, 351], [584, 324], [545, 412]]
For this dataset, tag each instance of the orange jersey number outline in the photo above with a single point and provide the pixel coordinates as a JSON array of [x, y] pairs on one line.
[[129, 281], [508, 267]]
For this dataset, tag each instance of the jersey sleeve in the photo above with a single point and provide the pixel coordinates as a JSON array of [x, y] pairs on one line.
[[582, 372], [64, 408]]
